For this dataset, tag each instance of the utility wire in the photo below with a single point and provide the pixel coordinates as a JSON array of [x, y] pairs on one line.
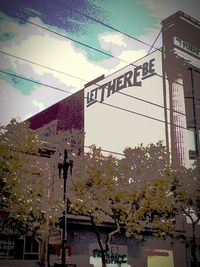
[[137, 39], [103, 103], [81, 44], [88, 46], [152, 46], [64, 73], [150, 103], [112, 28], [78, 42], [100, 51], [93, 48], [43, 66], [33, 81], [134, 112]]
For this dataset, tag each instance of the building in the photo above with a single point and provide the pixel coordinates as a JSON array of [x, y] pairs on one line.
[[181, 66], [159, 93]]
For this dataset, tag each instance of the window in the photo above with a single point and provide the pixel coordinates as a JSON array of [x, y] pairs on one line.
[[31, 248], [7, 246]]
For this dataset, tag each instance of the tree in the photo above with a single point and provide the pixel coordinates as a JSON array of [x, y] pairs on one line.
[[146, 169], [131, 192], [90, 194], [23, 176], [186, 192]]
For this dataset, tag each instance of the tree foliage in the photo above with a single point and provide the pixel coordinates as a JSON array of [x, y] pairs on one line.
[[186, 193], [138, 192], [132, 192], [24, 199]]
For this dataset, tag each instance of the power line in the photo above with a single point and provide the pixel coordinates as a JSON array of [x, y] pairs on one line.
[[86, 46], [145, 116], [150, 103], [100, 51], [78, 42], [103, 103], [93, 48], [134, 112], [33, 81], [84, 80], [112, 28], [152, 46], [67, 74], [40, 65]]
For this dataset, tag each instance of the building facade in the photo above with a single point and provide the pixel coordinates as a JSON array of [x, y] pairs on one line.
[[159, 92], [181, 67]]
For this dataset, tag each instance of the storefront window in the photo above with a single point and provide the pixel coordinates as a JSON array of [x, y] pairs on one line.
[[31, 249], [19, 248], [6, 248]]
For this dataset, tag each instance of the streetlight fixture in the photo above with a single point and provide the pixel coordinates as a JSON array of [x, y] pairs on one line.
[[65, 166]]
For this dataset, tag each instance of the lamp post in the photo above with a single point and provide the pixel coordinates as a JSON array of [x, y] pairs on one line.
[[65, 166]]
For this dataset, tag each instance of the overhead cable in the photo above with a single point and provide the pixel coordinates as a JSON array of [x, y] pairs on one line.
[[103, 103]]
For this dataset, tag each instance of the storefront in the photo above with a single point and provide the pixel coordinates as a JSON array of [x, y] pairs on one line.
[[15, 251], [125, 252]]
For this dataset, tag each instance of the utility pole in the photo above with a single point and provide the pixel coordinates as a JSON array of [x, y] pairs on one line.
[[65, 166]]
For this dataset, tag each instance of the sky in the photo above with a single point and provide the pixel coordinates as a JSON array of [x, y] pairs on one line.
[[57, 46]]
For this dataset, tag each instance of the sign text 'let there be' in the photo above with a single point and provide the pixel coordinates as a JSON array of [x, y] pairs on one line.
[[128, 79]]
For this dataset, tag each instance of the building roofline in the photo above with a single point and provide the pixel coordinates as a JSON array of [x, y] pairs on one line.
[[54, 105], [180, 15]]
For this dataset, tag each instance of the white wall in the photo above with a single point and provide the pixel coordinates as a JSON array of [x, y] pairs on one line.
[[114, 129]]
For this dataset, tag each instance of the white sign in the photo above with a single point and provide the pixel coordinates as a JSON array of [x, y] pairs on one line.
[[55, 237], [130, 110], [132, 77]]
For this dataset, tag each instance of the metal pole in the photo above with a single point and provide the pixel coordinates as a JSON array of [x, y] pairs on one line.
[[64, 223], [65, 166]]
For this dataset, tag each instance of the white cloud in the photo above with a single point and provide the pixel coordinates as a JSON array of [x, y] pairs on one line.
[[132, 55], [38, 104], [21, 31], [125, 49], [42, 47], [55, 52], [107, 39], [14, 104]]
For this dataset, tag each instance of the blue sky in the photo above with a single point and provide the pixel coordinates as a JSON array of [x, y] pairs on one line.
[[20, 38]]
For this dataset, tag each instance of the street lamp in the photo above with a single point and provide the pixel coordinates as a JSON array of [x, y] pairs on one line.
[[65, 166]]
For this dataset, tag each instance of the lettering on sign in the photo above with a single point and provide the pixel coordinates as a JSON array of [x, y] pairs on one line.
[[187, 47], [113, 258], [55, 237], [128, 79], [6, 249]]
